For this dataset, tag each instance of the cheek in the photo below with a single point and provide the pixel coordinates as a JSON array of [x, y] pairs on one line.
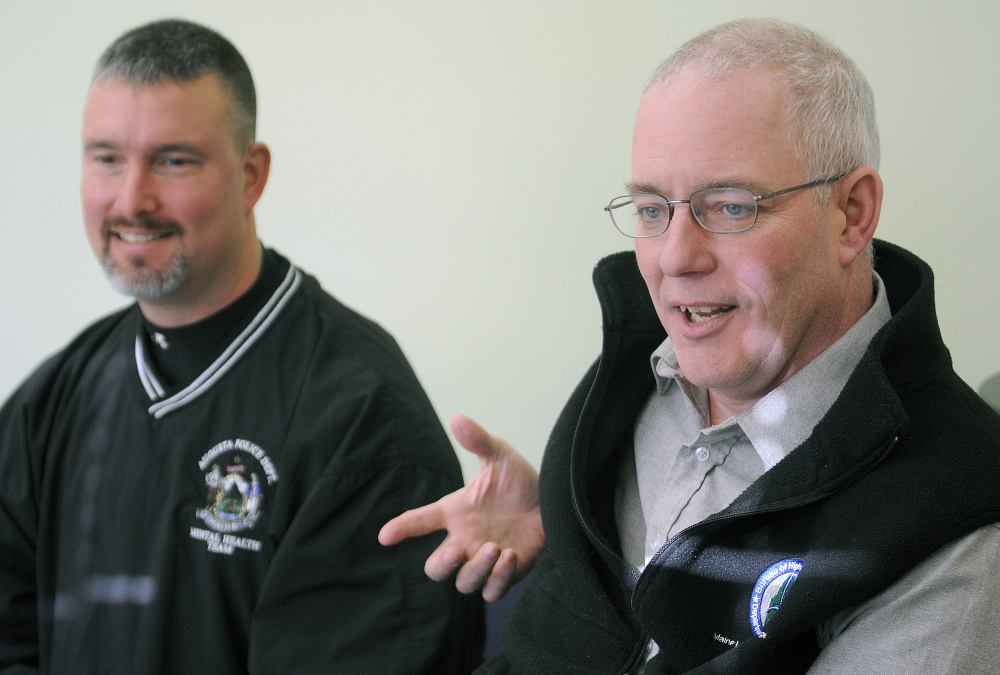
[[782, 287], [760, 282], [646, 254], [768, 280], [207, 202], [90, 196], [195, 208], [780, 255], [647, 257], [94, 201], [648, 260]]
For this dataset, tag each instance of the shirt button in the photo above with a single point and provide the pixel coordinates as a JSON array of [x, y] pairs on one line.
[[701, 454]]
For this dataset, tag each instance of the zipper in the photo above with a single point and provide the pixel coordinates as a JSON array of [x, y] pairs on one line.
[[572, 472], [644, 638], [640, 657], [757, 512]]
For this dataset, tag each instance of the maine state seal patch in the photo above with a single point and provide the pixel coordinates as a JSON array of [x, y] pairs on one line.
[[238, 475]]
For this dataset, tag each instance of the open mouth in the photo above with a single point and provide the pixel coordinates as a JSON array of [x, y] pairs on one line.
[[704, 313]]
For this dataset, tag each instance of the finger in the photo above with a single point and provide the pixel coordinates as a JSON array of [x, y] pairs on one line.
[[412, 523], [474, 573], [443, 562], [502, 577], [472, 436]]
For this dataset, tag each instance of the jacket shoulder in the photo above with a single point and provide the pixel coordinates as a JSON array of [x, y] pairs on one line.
[[74, 355]]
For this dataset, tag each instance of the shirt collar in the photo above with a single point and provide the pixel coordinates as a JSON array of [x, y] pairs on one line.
[[778, 423]]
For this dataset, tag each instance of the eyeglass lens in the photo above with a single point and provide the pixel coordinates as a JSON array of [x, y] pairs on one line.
[[716, 209]]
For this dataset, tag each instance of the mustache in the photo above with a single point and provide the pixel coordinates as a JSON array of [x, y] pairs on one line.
[[154, 225]]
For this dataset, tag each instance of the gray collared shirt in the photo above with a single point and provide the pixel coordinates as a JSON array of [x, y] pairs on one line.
[[941, 618], [703, 467]]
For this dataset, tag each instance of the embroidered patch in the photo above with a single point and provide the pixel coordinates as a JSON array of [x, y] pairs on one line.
[[237, 475], [770, 591]]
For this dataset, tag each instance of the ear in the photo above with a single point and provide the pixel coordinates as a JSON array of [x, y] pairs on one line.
[[256, 166], [859, 198]]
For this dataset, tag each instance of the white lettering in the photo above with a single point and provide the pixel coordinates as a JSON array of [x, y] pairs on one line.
[[216, 547], [726, 641], [204, 535], [224, 543], [216, 450], [241, 542], [270, 473]]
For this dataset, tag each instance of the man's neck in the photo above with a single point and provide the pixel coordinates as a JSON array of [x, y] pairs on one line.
[[190, 305], [181, 353]]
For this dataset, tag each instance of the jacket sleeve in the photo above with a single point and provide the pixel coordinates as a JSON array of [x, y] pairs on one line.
[[941, 618], [333, 599], [18, 534]]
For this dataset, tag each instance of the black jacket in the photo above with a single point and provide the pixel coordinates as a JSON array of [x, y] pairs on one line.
[[228, 526], [873, 491]]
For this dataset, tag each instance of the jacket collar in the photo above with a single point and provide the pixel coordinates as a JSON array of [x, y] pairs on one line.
[[856, 432]]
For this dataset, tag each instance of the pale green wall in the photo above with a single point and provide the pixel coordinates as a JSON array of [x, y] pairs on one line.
[[442, 167]]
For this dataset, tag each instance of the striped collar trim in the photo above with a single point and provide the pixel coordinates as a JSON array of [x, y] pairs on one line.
[[253, 332]]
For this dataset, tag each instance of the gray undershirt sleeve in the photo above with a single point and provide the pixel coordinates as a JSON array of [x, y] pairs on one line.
[[941, 618]]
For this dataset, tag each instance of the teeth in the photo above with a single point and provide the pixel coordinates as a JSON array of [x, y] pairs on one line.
[[701, 314], [132, 238]]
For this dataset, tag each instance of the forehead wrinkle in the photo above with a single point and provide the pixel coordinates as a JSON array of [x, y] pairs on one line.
[[753, 186]]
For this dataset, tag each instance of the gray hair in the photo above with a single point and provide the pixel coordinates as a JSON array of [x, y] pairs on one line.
[[182, 51], [831, 108]]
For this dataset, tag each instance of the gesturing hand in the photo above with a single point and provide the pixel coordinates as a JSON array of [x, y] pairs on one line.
[[494, 524]]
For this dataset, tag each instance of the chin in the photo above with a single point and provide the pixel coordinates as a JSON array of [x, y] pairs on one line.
[[716, 375], [136, 280]]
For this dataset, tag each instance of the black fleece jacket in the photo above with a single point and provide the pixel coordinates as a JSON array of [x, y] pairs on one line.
[[876, 488]]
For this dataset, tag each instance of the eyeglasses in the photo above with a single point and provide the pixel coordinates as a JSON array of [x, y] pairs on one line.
[[718, 210]]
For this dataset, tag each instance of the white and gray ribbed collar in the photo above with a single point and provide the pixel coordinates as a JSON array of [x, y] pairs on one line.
[[232, 354]]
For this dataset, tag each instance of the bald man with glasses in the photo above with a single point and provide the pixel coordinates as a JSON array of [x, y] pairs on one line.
[[772, 467]]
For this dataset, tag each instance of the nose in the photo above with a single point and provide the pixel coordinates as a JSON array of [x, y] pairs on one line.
[[137, 193], [685, 248]]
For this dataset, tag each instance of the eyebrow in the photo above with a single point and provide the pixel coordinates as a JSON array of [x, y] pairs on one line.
[[641, 189], [98, 145], [185, 148], [753, 186]]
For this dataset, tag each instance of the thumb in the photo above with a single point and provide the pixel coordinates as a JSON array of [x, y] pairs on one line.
[[474, 438]]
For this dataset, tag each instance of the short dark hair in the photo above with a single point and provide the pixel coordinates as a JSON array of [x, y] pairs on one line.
[[182, 51]]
